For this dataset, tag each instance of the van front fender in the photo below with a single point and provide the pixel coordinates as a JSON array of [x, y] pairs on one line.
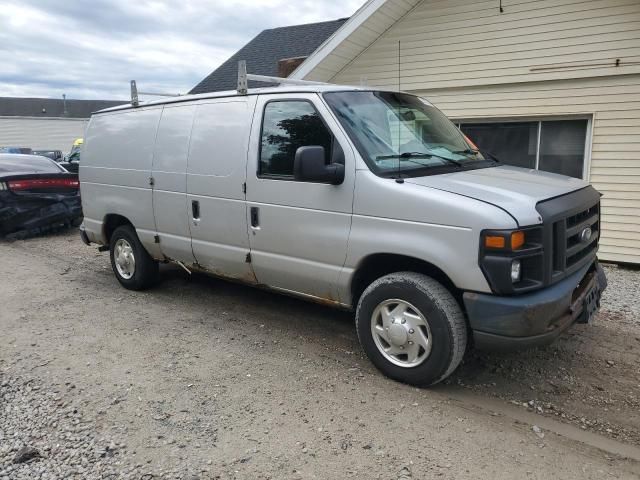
[[452, 250]]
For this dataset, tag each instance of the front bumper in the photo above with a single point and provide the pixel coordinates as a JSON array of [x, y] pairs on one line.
[[533, 319]]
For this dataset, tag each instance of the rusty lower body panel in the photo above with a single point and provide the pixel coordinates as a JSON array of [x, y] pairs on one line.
[[27, 215], [538, 318]]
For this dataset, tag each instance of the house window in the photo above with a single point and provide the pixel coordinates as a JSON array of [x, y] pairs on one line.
[[557, 146]]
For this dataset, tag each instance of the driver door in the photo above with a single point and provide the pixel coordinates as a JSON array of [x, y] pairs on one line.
[[298, 231]]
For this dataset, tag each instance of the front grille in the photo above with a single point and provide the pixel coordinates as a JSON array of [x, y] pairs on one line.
[[570, 246], [577, 247], [566, 248]]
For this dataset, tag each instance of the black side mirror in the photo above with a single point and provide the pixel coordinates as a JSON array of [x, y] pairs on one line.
[[309, 166]]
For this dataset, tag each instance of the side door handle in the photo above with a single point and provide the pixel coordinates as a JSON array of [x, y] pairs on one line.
[[195, 210], [255, 218]]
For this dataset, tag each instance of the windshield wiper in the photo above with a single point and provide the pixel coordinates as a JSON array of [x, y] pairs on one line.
[[471, 151], [405, 155], [468, 151], [410, 155]]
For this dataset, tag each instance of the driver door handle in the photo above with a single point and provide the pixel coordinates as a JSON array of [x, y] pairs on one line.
[[195, 210], [255, 218]]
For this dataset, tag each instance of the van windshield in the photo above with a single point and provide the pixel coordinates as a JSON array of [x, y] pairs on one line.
[[401, 135]]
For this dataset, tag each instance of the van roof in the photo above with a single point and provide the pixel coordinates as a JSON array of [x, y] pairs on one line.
[[319, 88]]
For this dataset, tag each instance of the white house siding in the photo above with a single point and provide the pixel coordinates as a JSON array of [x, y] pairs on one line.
[[540, 58], [455, 43], [41, 133]]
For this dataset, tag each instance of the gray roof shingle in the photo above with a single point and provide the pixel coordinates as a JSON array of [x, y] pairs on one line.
[[52, 107], [264, 51]]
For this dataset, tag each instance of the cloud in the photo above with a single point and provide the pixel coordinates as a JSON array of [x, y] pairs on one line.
[[92, 48]]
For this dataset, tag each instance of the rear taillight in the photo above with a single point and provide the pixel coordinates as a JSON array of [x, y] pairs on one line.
[[40, 183], [3, 186]]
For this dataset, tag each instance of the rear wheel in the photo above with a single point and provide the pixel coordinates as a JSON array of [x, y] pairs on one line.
[[411, 328], [133, 266]]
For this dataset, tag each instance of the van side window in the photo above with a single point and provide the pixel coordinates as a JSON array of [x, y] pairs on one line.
[[287, 126]]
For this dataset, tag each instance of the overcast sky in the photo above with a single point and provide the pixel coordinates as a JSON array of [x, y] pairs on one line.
[[92, 48]]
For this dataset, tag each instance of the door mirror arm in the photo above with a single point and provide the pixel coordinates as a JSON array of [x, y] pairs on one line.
[[309, 166]]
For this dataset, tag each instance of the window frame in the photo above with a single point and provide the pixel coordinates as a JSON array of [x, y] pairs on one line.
[[290, 178], [589, 117]]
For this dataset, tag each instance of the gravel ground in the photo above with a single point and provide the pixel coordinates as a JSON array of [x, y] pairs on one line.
[[590, 377], [621, 298], [63, 443], [200, 378]]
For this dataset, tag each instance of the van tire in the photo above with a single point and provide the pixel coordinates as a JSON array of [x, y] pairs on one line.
[[445, 322], [145, 272]]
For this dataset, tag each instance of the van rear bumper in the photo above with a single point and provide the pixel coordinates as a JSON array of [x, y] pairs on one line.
[[533, 319]]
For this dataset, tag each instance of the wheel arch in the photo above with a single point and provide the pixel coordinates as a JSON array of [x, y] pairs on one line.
[[378, 265], [111, 222]]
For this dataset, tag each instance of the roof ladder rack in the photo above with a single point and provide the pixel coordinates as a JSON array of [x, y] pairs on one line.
[[244, 77], [135, 101], [134, 94]]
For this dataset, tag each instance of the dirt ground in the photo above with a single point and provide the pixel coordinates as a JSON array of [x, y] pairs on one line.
[[199, 378]]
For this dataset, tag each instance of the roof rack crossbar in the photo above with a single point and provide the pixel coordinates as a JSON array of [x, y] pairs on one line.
[[244, 77], [152, 94], [135, 100]]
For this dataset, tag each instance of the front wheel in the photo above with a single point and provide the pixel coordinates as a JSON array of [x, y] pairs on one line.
[[411, 328], [133, 266]]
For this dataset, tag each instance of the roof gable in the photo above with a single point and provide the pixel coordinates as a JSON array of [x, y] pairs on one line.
[[372, 20], [265, 50]]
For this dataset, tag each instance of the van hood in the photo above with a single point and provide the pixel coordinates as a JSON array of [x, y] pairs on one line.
[[516, 190]]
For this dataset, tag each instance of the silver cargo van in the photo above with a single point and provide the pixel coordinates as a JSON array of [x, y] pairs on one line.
[[360, 199]]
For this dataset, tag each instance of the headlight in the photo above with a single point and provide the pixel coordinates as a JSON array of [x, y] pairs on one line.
[[512, 260], [516, 271]]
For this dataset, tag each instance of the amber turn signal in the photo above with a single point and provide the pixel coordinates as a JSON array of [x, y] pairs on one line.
[[517, 240], [494, 241]]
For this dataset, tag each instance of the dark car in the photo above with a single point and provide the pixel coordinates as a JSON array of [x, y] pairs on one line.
[[21, 150], [69, 163], [36, 194], [55, 155]]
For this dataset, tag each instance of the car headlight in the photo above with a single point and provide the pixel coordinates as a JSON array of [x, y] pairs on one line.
[[511, 260], [516, 270]]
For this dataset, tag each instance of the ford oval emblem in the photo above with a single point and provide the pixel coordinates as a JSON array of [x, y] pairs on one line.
[[585, 235]]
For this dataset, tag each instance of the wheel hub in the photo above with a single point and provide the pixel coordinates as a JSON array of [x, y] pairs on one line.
[[398, 334], [401, 333], [124, 258]]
